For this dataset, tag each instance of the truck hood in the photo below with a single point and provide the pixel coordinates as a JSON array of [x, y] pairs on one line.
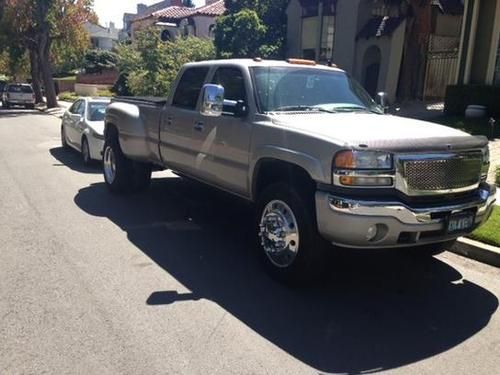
[[383, 132]]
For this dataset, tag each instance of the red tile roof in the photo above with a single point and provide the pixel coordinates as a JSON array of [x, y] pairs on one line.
[[175, 12]]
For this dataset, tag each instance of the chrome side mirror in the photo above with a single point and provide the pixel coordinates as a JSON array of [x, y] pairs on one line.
[[382, 101], [212, 100]]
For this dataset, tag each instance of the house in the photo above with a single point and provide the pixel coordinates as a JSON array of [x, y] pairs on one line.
[[144, 10], [102, 37], [367, 39], [479, 60], [174, 21]]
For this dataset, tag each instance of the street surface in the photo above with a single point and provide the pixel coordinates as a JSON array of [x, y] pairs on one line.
[[166, 282]]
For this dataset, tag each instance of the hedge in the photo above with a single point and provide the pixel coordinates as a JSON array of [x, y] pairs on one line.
[[458, 97]]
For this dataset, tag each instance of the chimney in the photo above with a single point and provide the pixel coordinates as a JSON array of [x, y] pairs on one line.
[[141, 9]]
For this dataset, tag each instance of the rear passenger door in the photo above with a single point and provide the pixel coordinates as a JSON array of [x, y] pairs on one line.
[[182, 118]]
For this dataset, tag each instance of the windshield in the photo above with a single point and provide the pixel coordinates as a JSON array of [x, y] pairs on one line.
[[23, 89], [281, 89], [97, 111]]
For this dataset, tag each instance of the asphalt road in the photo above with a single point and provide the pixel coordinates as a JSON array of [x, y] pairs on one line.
[[167, 282]]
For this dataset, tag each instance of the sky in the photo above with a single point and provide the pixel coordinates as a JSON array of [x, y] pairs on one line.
[[112, 10]]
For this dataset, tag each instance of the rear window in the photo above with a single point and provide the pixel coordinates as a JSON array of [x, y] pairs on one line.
[[189, 88], [97, 111], [21, 89]]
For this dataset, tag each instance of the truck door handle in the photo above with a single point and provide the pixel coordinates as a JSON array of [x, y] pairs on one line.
[[199, 126]]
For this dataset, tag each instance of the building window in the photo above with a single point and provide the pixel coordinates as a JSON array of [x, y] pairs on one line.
[[310, 8], [327, 38], [165, 36]]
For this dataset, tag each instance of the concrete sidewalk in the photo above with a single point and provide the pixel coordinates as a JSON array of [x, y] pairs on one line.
[[58, 112]]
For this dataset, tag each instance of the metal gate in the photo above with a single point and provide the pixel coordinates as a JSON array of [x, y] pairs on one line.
[[442, 65]]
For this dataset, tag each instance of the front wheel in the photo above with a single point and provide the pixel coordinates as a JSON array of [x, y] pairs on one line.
[[86, 152], [121, 174], [64, 141], [288, 240]]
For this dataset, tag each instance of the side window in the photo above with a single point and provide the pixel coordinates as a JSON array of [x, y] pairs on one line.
[[233, 82], [189, 88], [74, 107]]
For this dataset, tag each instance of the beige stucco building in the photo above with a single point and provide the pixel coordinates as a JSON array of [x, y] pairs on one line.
[[367, 37], [480, 43]]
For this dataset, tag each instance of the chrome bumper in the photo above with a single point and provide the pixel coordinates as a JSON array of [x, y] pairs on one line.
[[351, 223]]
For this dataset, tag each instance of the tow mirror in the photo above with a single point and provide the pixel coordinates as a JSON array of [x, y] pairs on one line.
[[213, 100], [382, 101]]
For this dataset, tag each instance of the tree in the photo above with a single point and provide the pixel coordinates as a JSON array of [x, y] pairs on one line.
[[252, 28], [149, 66], [39, 25]]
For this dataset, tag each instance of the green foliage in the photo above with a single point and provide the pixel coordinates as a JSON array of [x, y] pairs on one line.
[[489, 232], [105, 93], [473, 126], [148, 66], [252, 28], [458, 97], [497, 176], [239, 34], [97, 60], [68, 96]]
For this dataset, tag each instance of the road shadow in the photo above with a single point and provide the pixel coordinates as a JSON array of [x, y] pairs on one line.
[[18, 112], [377, 311], [72, 159]]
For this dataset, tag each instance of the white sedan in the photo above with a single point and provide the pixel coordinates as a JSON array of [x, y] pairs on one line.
[[83, 127]]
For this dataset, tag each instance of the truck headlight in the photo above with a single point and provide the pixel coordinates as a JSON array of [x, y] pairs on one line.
[[363, 160], [363, 168], [485, 169]]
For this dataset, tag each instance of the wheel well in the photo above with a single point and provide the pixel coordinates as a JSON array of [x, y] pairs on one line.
[[272, 171], [110, 131]]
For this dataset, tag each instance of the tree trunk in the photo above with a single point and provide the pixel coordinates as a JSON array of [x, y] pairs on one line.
[[35, 76], [46, 69]]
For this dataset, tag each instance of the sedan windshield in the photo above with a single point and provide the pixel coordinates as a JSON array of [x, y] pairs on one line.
[[286, 89], [97, 111]]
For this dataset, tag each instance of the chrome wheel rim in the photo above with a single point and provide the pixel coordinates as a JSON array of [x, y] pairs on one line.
[[279, 233], [109, 165]]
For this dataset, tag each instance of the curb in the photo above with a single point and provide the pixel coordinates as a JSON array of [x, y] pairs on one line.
[[478, 251], [56, 112]]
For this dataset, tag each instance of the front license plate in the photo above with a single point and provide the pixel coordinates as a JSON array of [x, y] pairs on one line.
[[462, 222]]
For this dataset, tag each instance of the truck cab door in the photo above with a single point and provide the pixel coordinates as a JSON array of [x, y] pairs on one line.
[[177, 147], [224, 142]]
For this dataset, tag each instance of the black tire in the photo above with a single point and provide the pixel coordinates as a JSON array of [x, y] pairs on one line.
[[64, 142], [86, 159], [310, 260], [6, 105], [30, 106], [428, 251], [129, 176]]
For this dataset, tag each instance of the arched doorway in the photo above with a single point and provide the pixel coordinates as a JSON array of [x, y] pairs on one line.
[[371, 69]]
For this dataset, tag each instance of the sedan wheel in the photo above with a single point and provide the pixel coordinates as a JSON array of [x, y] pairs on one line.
[[86, 152], [64, 142]]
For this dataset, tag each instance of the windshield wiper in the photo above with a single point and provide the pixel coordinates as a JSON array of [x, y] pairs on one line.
[[291, 108], [354, 108]]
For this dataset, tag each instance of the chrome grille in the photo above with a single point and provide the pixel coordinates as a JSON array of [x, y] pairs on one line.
[[441, 173]]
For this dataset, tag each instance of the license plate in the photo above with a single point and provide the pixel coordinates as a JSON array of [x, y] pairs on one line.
[[462, 222]]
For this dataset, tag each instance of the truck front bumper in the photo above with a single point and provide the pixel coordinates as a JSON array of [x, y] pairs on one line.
[[367, 224]]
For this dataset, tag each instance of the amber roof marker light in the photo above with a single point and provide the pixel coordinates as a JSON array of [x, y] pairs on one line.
[[301, 62]]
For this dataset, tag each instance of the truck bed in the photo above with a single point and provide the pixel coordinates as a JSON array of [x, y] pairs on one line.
[[149, 100]]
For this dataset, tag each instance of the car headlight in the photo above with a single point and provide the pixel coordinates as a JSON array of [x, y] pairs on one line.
[[486, 163], [363, 160], [363, 168]]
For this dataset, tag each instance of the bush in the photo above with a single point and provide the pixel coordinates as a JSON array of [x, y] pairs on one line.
[[148, 66], [459, 97], [68, 96], [105, 93], [96, 60], [497, 176]]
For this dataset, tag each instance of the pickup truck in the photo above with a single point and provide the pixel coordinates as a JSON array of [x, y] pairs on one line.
[[323, 164]]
